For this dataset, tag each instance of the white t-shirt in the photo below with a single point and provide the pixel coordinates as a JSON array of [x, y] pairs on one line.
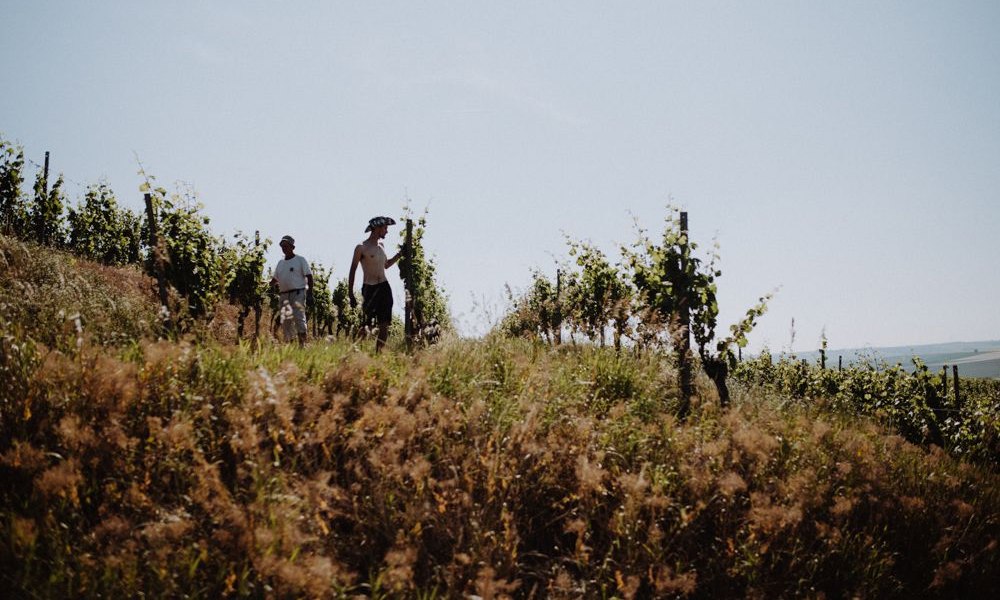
[[291, 273]]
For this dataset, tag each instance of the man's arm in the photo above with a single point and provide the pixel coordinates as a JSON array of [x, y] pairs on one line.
[[307, 271], [391, 261], [274, 279], [350, 275]]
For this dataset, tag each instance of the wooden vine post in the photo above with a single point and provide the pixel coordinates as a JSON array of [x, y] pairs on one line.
[[557, 334], [408, 284], [257, 302], [311, 312], [45, 175], [161, 281], [958, 398], [684, 325], [258, 307]]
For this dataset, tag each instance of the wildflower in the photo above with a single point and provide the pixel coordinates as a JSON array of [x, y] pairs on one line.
[[399, 565], [61, 481], [666, 581], [731, 483], [24, 533], [491, 587], [590, 475], [23, 456], [950, 571], [842, 506]]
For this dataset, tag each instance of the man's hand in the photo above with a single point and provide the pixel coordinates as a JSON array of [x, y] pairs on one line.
[[354, 301], [310, 299]]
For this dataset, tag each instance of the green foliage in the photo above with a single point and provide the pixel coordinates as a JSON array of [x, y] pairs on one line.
[[598, 295], [46, 222], [13, 208], [247, 287], [430, 304], [672, 281], [669, 281], [589, 296], [103, 231], [916, 405], [194, 258], [348, 318], [323, 312], [668, 276], [537, 313]]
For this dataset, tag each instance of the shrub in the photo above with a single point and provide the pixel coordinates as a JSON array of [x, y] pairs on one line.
[[101, 230], [430, 304], [194, 258], [247, 288], [13, 209], [46, 222]]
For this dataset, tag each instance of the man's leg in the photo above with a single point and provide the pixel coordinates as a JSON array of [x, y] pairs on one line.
[[383, 334], [287, 318], [384, 311], [367, 315], [300, 316]]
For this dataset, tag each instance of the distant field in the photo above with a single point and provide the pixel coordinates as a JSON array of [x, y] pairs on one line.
[[981, 364], [970, 364], [974, 359]]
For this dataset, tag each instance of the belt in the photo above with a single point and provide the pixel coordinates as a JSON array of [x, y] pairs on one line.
[[290, 291]]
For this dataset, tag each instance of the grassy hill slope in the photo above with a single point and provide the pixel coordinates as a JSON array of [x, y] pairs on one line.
[[501, 468]]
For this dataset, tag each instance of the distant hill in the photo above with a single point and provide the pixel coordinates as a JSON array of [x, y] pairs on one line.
[[974, 359]]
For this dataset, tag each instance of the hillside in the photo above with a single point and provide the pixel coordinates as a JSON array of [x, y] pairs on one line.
[[494, 467], [55, 298], [974, 359]]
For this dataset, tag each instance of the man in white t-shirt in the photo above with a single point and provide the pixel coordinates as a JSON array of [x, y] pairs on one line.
[[294, 280]]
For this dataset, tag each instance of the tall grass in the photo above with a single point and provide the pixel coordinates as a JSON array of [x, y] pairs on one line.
[[58, 299], [489, 467], [500, 468]]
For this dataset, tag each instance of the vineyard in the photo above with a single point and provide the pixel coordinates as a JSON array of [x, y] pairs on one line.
[[604, 440]]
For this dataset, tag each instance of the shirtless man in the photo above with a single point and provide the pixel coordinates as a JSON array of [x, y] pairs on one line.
[[376, 294]]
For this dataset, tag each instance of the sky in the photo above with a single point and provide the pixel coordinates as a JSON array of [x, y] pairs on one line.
[[845, 154]]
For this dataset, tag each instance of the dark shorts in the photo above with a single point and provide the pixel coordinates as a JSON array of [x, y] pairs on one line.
[[377, 303]]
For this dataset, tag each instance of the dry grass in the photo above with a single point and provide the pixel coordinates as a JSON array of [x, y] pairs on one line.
[[57, 299], [491, 468], [497, 468]]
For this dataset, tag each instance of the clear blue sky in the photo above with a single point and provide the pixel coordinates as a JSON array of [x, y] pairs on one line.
[[848, 152]]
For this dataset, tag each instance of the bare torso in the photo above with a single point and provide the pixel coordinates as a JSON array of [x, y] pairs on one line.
[[373, 261]]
